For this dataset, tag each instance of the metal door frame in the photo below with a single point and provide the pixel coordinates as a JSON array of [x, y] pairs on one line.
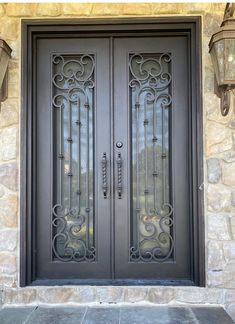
[[34, 29]]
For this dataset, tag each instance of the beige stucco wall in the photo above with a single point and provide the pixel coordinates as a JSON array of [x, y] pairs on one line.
[[219, 160]]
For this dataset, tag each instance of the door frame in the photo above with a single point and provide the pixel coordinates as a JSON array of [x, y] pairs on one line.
[[34, 29]]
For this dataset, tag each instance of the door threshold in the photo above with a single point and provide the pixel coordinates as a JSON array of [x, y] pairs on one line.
[[111, 282]]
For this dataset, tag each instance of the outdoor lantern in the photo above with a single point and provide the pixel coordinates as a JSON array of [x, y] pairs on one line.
[[222, 51], [5, 54]]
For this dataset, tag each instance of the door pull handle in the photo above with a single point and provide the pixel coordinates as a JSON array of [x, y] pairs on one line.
[[119, 171], [104, 175]]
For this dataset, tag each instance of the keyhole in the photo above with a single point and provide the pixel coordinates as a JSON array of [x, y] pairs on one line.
[[119, 144]]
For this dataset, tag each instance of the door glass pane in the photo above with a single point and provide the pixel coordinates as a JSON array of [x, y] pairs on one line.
[[151, 237], [73, 176]]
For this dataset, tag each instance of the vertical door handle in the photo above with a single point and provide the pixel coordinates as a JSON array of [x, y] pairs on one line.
[[104, 175], [119, 171]]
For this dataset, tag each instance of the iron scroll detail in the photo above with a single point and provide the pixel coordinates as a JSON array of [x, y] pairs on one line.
[[152, 224], [73, 84]]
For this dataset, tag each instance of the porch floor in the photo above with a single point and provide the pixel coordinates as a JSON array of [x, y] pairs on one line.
[[114, 315]]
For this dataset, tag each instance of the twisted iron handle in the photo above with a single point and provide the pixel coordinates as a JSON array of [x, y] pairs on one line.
[[119, 170], [104, 175]]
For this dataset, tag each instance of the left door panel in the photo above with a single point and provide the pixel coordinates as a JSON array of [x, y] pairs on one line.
[[72, 213]]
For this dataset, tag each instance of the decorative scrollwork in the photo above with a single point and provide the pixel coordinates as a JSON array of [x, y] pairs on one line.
[[68, 242], [150, 94], [73, 84]]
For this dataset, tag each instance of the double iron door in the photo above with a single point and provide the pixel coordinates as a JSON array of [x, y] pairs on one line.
[[112, 180]]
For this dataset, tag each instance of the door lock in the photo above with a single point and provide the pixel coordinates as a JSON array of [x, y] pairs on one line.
[[119, 144]]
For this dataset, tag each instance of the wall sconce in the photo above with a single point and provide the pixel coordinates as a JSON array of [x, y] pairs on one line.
[[5, 54], [222, 51]]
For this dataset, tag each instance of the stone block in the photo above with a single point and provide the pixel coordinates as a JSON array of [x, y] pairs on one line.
[[213, 170], [17, 315], [229, 296], [223, 279], [8, 281], [83, 295], [109, 294], [196, 8], [7, 263], [13, 90], [232, 123], [8, 240], [8, 143], [218, 138], [212, 103], [218, 6], [196, 295], [135, 294], [228, 156], [9, 113], [230, 309], [107, 9], [228, 174], [76, 9], [212, 23], [209, 79], [10, 28], [8, 211], [218, 227], [165, 8], [20, 9], [216, 259], [19, 296], [233, 198], [137, 9], [218, 198], [55, 295], [102, 315], [232, 225], [161, 295], [9, 175], [230, 266], [2, 191], [59, 315], [229, 250], [2, 10], [13, 76], [48, 9], [211, 314]]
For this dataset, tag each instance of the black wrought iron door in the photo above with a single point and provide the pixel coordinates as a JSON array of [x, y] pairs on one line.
[[112, 158]]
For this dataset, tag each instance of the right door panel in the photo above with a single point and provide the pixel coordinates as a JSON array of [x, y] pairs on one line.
[[152, 202]]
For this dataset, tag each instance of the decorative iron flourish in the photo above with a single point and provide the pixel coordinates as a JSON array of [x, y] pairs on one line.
[[73, 99], [150, 95]]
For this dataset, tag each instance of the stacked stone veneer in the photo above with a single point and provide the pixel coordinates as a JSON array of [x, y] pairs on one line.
[[219, 162]]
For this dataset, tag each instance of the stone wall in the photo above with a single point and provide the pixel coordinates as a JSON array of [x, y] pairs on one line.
[[219, 158]]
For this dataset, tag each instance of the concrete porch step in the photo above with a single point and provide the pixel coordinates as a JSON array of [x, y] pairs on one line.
[[114, 315]]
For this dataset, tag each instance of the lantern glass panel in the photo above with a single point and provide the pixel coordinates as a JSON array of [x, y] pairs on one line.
[[230, 60], [218, 63]]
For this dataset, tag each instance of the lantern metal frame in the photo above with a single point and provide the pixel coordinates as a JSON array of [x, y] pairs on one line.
[[5, 55], [227, 32]]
